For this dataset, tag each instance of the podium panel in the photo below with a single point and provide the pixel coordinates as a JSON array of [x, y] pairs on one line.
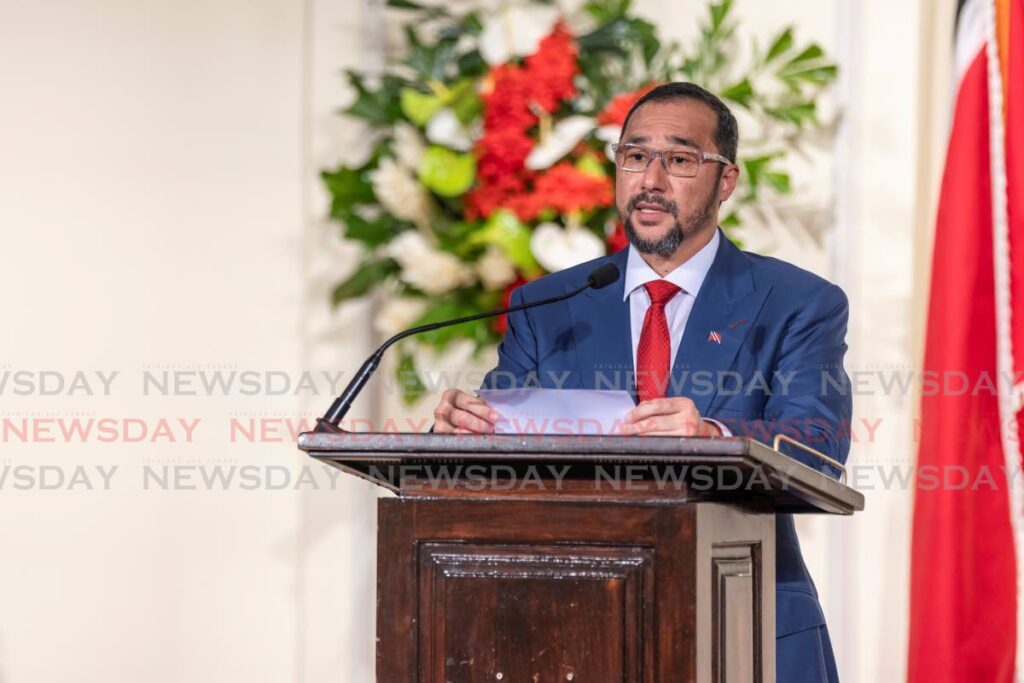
[[562, 591]]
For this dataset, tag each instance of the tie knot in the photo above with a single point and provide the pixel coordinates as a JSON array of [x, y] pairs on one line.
[[661, 291]]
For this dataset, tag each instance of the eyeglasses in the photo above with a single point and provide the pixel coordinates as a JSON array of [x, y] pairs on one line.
[[683, 162]]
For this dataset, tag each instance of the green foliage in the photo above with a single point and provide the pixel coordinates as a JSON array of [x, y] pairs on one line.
[[366, 276]]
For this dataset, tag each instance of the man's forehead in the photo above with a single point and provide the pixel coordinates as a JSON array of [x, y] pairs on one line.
[[681, 122]]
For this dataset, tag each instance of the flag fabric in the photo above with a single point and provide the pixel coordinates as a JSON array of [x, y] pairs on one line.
[[967, 552]]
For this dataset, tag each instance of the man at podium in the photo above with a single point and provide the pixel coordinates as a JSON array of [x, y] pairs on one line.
[[688, 300]]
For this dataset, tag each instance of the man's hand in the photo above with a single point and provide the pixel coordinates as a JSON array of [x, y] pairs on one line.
[[462, 413], [668, 417]]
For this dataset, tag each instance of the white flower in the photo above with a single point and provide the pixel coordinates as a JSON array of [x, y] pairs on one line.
[[399, 313], [494, 269], [446, 369], [428, 269], [560, 141], [408, 146], [400, 193], [609, 135], [515, 31], [557, 249], [444, 128]]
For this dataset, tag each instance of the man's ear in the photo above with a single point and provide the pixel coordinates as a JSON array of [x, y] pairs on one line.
[[727, 183]]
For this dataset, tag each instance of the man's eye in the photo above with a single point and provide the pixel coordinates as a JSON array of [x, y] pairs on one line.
[[681, 160], [636, 156]]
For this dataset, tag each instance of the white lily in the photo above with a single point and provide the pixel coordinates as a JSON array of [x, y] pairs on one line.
[[556, 248], [609, 135], [444, 128], [560, 141], [515, 30], [408, 146]]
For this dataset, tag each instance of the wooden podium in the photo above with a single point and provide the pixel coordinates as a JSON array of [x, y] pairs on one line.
[[542, 559]]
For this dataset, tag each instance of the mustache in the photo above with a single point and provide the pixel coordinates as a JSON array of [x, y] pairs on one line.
[[657, 200]]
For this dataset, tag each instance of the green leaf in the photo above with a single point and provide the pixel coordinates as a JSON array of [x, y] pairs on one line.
[[348, 187], [445, 172], [415, 6], [815, 75], [798, 114], [779, 181], [741, 93], [367, 275], [373, 233], [378, 106], [412, 388], [782, 43], [447, 308], [755, 168], [812, 51], [464, 101], [512, 236], [719, 12], [419, 107], [731, 220]]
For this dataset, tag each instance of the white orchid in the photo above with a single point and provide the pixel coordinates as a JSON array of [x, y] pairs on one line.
[[609, 135], [494, 269], [408, 146], [430, 270], [557, 248], [515, 30], [444, 128], [399, 313], [399, 193], [566, 134], [439, 370]]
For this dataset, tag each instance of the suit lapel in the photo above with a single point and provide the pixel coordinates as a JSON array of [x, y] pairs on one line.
[[726, 308], [601, 330]]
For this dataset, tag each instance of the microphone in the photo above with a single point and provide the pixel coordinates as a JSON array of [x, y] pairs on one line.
[[602, 276]]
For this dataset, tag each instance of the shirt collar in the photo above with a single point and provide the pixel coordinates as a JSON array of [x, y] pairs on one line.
[[688, 276]]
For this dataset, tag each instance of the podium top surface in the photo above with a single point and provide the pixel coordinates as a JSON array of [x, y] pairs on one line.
[[737, 470]]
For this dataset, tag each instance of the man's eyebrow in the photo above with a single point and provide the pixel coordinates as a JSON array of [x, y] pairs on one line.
[[687, 142], [642, 139]]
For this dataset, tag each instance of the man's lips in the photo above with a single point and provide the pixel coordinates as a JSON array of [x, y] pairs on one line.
[[643, 207]]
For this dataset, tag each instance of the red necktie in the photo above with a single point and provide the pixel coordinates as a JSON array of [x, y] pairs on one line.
[[654, 352]]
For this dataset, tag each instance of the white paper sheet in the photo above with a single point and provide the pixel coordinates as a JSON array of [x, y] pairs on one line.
[[558, 411]]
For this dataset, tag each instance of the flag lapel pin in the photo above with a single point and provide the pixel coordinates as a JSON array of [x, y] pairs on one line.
[[715, 337]]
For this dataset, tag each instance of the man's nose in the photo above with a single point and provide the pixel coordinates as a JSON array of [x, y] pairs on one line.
[[655, 178]]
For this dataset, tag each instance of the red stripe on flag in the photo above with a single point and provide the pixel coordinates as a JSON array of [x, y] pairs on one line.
[[963, 570]]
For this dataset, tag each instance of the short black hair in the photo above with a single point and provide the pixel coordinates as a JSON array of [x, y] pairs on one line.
[[727, 133]]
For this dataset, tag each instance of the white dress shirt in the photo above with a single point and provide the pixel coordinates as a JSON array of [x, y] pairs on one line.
[[688, 277]]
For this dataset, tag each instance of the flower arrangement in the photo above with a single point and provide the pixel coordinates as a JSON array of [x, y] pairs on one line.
[[490, 164]]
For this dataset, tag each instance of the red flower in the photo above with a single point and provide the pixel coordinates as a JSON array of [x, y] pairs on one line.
[[513, 94], [564, 189], [615, 113], [617, 240], [552, 69]]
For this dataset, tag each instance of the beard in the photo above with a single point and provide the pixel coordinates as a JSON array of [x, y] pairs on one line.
[[687, 226]]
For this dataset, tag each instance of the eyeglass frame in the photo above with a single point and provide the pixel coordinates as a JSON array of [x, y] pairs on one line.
[[660, 154]]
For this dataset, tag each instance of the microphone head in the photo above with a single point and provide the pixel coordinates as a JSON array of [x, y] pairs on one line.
[[603, 276]]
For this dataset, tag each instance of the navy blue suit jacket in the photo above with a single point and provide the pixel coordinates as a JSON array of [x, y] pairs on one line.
[[778, 368]]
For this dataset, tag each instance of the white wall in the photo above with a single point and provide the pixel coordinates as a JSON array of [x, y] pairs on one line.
[[151, 210], [160, 210]]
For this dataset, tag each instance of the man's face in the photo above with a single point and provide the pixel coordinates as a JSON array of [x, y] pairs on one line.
[[660, 210]]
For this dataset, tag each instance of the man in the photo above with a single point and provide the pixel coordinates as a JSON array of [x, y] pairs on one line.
[[688, 300]]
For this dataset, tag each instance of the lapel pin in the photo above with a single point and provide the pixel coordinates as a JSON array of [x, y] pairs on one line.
[[715, 337]]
